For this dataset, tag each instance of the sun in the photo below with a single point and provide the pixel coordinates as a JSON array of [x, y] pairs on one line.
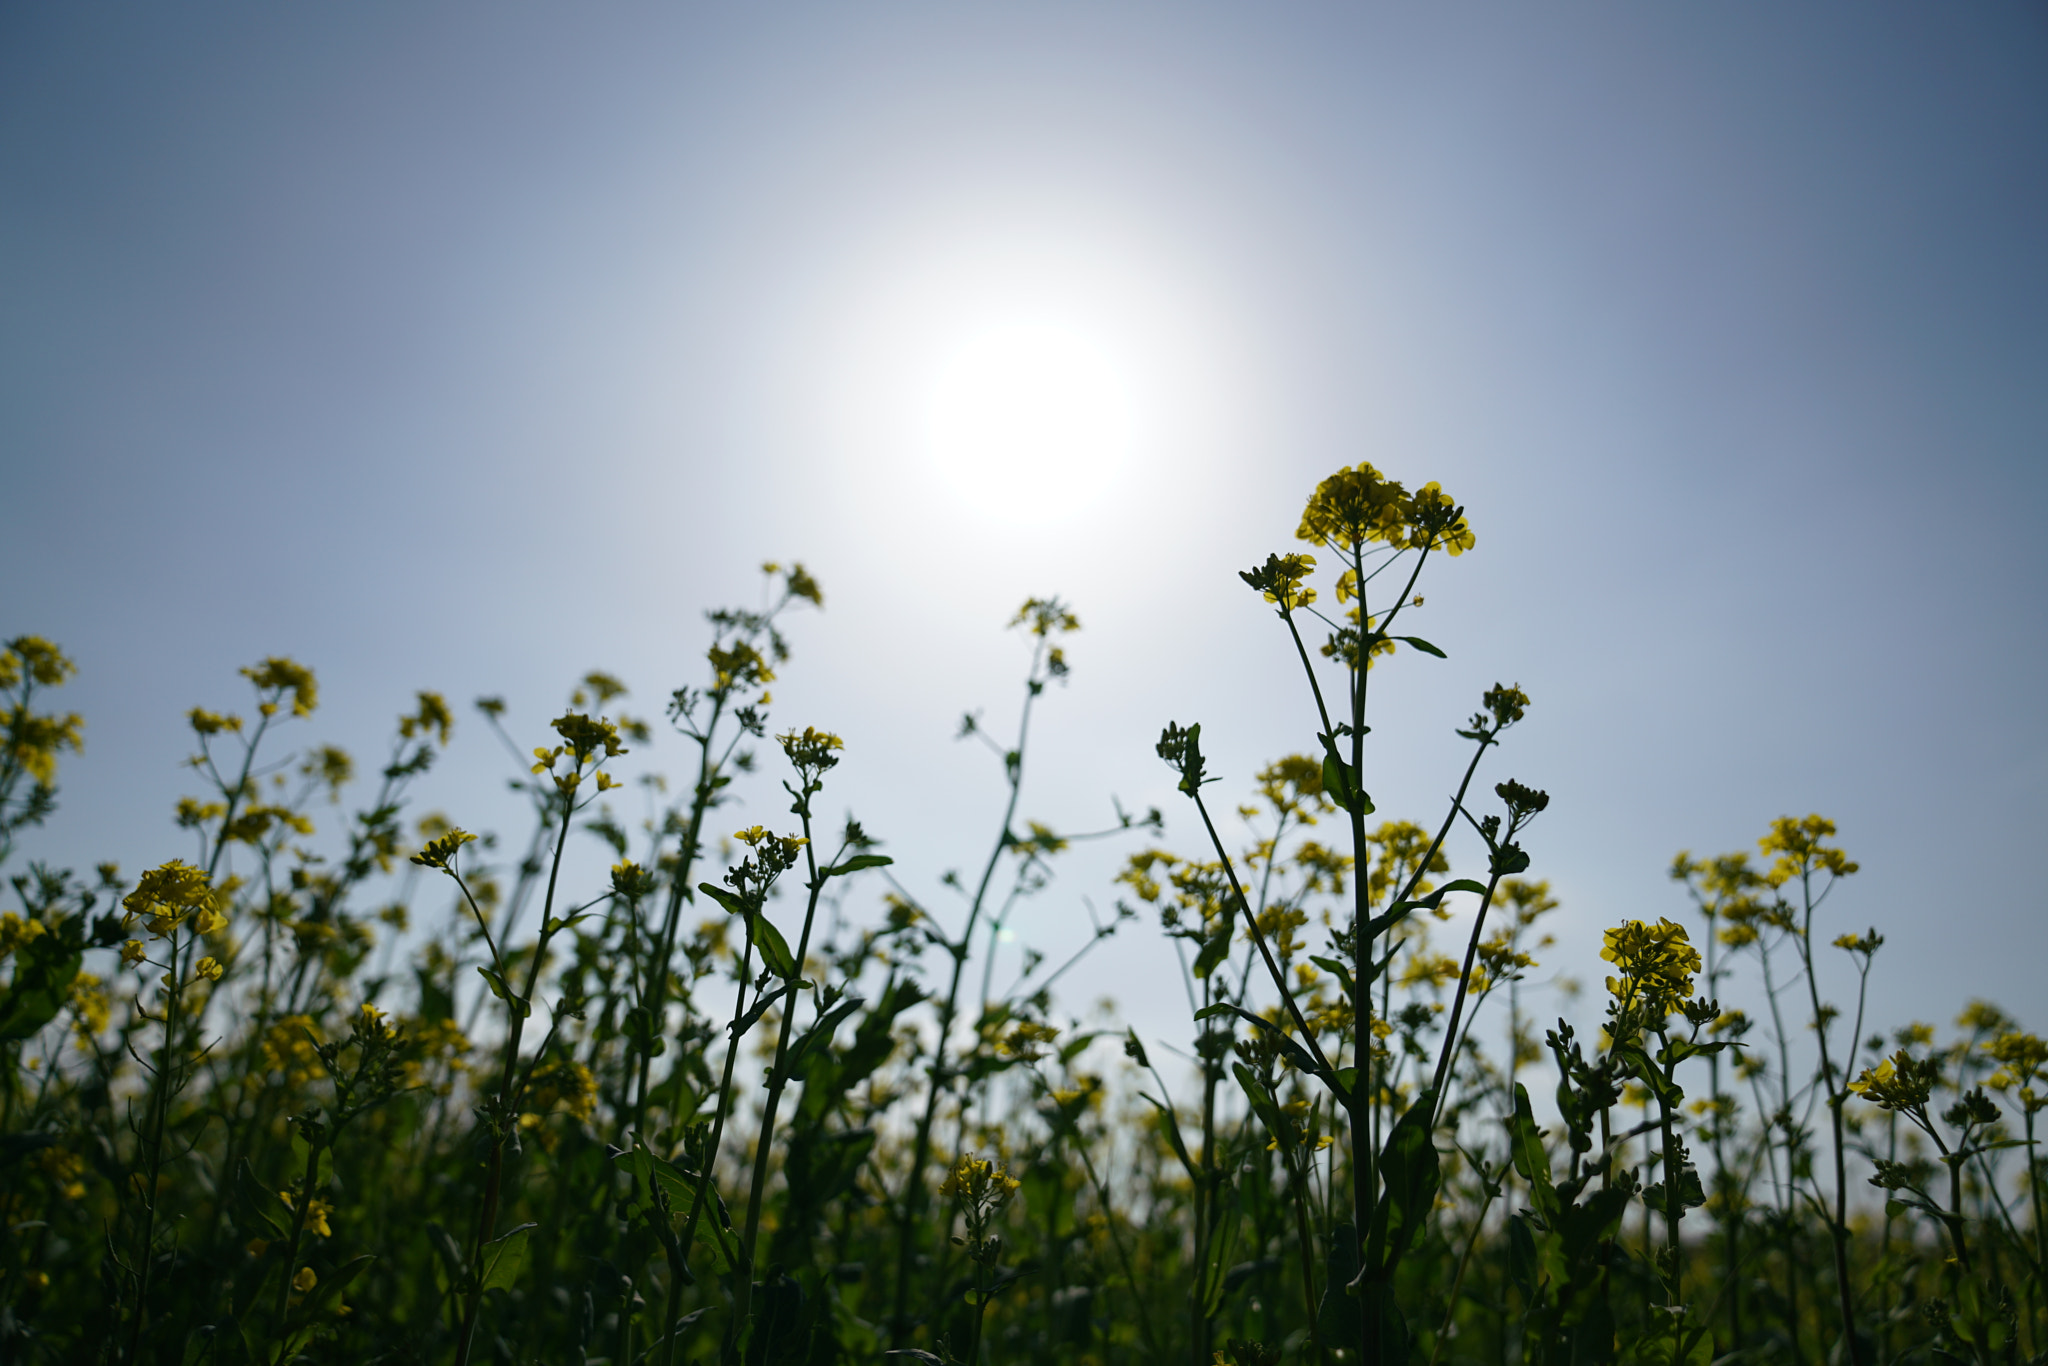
[[1031, 419]]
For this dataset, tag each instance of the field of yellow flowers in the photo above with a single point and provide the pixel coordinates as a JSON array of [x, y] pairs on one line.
[[389, 1092]]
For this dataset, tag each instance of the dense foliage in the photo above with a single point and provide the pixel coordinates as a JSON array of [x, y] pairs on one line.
[[408, 1095]]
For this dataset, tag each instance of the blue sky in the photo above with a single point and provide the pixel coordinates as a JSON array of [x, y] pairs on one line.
[[470, 347]]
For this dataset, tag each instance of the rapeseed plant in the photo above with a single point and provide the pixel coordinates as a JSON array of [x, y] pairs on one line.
[[400, 1091]]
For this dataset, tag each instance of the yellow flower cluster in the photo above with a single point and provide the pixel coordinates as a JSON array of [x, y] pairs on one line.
[[1797, 841], [173, 893], [288, 1048], [2023, 1060], [1901, 1082], [64, 1170], [33, 741], [1359, 506], [90, 1009], [812, 752], [35, 658], [317, 1211], [441, 849], [432, 718], [977, 1182], [738, 665], [1027, 1039], [780, 850], [278, 676], [16, 932], [1657, 963], [1281, 577], [1045, 617], [567, 1084]]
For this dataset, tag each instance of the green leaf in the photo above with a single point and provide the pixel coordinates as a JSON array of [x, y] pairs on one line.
[[775, 954], [819, 1035], [1423, 646], [1169, 1125], [323, 1169], [733, 904], [711, 1246], [1214, 950], [1342, 972], [1222, 1254], [1400, 910], [258, 1201], [1640, 1066], [1532, 1161], [823, 1165], [1337, 1318], [1691, 1195], [1340, 781], [43, 972], [1292, 1051], [519, 1005], [1410, 1169], [856, 863], [1074, 1047], [757, 1010], [1263, 1104], [504, 1258], [873, 1043]]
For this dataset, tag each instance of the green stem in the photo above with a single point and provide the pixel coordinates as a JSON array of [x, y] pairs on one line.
[[300, 1212], [778, 1081]]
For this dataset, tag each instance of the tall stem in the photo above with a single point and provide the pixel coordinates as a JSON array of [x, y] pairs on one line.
[[921, 1144], [778, 1080], [494, 1171]]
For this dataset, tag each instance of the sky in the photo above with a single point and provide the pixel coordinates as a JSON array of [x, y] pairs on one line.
[[471, 347]]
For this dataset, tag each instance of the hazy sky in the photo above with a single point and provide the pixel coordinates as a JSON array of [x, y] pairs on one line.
[[472, 346]]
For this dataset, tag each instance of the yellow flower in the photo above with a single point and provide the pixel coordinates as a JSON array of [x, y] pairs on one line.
[[170, 894], [1045, 617], [132, 953], [210, 968], [278, 676], [814, 751], [1900, 1082], [1027, 1039], [1280, 580], [439, 851], [36, 657], [1798, 844], [206, 722], [738, 665], [16, 932], [567, 1083], [799, 584], [90, 1010], [305, 1280], [35, 740], [979, 1182], [317, 1211], [1657, 964], [1358, 506], [433, 718]]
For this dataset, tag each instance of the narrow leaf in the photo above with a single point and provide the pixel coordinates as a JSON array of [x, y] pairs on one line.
[[856, 863]]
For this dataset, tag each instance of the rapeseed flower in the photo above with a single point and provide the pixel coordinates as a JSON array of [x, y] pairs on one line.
[[279, 675], [169, 895], [441, 849], [1657, 963]]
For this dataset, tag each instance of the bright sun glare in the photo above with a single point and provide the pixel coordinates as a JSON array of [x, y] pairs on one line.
[[1029, 419]]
